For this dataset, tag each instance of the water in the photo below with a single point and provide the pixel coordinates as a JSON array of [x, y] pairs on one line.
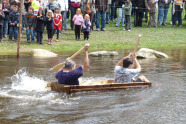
[[24, 98]]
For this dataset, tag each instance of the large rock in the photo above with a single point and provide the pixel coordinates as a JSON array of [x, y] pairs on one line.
[[103, 53], [149, 53], [42, 53]]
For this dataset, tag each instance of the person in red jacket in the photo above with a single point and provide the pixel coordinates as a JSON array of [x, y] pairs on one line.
[[57, 24]]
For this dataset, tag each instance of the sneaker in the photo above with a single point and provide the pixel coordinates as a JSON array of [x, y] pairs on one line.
[[129, 30], [180, 26], [155, 26], [103, 29], [97, 29], [171, 22], [116, 26], [57, 40], [48, 42], [164, 24], [5, 36], [174, 26], [28, 41], [124, 29]]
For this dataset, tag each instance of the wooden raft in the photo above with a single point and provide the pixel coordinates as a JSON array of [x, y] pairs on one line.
[[97, 86]]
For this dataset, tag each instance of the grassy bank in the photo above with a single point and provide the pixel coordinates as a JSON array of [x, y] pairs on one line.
[[113, 38]]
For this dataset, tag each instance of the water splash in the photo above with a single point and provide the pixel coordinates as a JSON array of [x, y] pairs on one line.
[[23, 81]]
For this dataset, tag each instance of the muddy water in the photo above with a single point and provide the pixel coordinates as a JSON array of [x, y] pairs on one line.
[[24, 99]]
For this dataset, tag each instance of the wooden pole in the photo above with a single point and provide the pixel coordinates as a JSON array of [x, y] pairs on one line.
[[137, 43], [20, 26]]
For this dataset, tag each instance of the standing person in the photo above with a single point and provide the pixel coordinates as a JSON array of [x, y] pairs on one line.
[[29, 24], [113, 6], [69, 74], [101, 9], [108, 12], [14, 21], [39, 28], [2, 17], [121, 5], [53, 4], [128, 10], [163, 11], [78, 20], [151, 7], [6, 10], [177, 12], [86, 27], [74, 5], [49, 21], [140, 8], [89, 7], [124, 72], [57, 22], [64, 9]]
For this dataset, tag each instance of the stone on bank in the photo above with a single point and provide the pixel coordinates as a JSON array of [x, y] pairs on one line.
[[103, 53], [42, 53], [146, 53]]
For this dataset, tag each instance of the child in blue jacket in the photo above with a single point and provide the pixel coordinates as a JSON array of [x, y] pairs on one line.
[[86, 27], [14, 21]]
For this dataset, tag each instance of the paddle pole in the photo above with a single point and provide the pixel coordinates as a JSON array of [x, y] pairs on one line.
[[20, 26], [137, 44]]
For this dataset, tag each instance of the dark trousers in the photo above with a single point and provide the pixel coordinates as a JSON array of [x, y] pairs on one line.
[[1, 32], [127, 22], [63, 20], [177, 14], [50, 34], [77, 31], [57, 33], [138, 18], [40, 37], [86, 35], [73, 12]]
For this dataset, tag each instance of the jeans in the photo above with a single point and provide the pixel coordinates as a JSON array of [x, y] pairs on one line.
[[138, 18], [121, 17], [65, 26], [28, 33], [5, 24], [108, 15], [73, 12], [63, 20], [112, 10], [1, 32], [162, 17], [128, 22], [22, 24], [102, 14], [13, 31]]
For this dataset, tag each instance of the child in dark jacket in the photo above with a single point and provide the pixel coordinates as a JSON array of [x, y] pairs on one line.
[[40, 19], [49, 21], [6, 10], [2, 16], [29, 24], [86, 27], [14, 21]]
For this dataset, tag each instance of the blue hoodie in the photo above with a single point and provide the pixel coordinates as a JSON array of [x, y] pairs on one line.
[[14, 17]]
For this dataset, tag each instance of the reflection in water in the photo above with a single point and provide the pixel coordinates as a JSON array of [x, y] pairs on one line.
[[24, 98]]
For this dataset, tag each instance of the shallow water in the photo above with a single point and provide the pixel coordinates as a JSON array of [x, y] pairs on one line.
[[24, 99]]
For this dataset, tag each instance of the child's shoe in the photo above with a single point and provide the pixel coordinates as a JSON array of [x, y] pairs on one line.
[[51, 41], [5, 36], [48, 41], [57, 40]]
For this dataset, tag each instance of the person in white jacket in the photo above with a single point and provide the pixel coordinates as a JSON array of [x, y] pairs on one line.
[[64, 8]]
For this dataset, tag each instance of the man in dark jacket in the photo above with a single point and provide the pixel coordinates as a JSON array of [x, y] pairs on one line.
[[139, 6], [2, 16], [101, 9]]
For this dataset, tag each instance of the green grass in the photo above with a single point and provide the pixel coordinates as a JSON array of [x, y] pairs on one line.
[[113, 38]]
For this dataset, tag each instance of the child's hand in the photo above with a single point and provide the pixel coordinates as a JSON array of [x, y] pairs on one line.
[[84, 26], [32, 28], [10, 23]]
